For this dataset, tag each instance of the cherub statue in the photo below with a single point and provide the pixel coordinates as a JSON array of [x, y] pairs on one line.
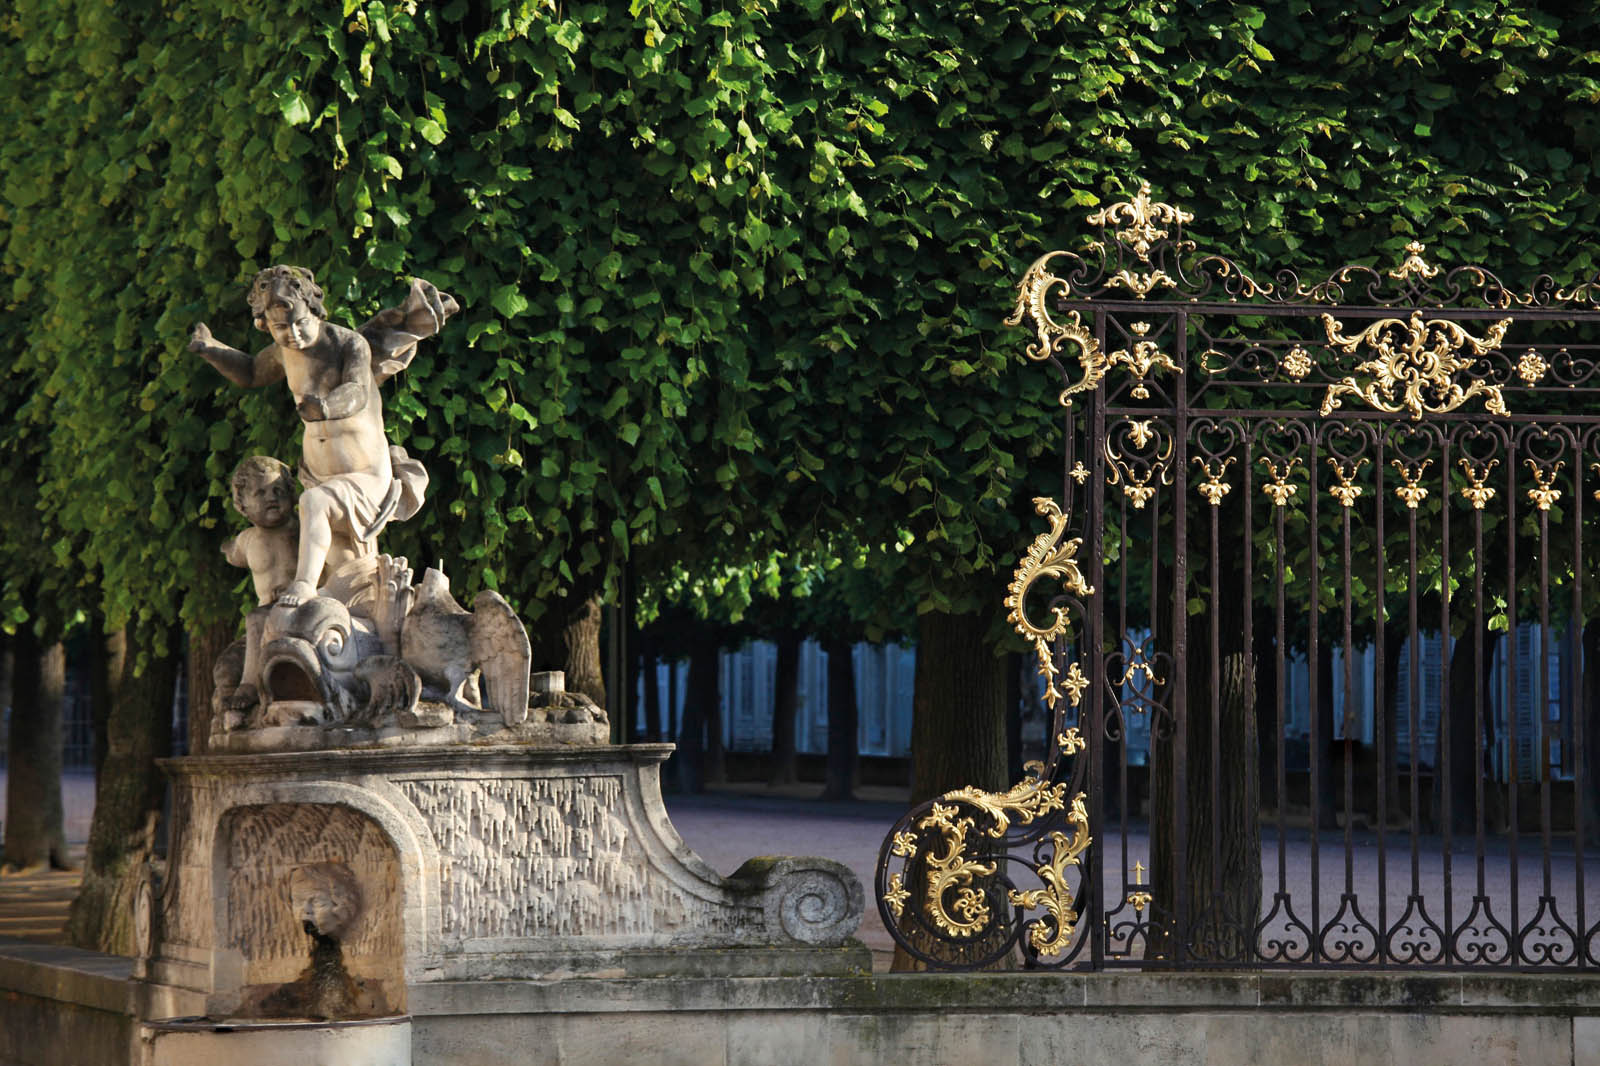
[[355, 482], [263, 491]]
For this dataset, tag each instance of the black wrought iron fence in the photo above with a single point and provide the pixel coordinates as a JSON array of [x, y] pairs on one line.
[[1321, 634]]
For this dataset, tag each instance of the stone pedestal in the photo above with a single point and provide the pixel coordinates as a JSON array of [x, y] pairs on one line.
[[463, 863]]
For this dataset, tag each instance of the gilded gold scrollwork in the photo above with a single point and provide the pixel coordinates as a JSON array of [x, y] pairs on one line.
[[1046, 557], [1415, 365], [1139, 486], [1475, 491], [1051, 934], [1050, 336]]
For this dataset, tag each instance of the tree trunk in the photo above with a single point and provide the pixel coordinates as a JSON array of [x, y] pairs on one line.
[[655, 729], [1386, 769], [844, 723], [1326, 801], [206, 643], [699, 718], [958, 722], [567, 637], [35, 824], [128, 795], [1589, 750], [785, 708], [1220, 876], [1268, 714], [1460, 766]]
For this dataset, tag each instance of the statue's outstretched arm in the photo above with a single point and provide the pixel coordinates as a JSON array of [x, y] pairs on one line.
[[393, 333], [263, 368]]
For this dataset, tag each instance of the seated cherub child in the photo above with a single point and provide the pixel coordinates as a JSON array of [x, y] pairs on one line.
[[263, 492]]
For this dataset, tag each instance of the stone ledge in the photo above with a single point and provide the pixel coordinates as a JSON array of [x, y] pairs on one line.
[[991, 993], [66, 975]]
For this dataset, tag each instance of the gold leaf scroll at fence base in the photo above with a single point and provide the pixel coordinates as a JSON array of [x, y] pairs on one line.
[[1051, 934], [1414, 358], [1047, 557]]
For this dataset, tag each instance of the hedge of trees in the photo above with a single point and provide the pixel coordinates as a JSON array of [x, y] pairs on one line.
[[733, 272]]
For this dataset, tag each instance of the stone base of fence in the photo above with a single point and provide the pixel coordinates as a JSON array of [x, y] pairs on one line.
[[58, 1005]]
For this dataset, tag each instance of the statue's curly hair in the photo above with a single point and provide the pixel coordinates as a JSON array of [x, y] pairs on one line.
[[264, 467], [274, 283]]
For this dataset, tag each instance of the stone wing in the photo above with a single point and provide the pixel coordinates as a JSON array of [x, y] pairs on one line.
[[501, 650], [393, 333]]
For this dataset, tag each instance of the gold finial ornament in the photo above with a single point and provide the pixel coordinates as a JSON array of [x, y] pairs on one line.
[[1145, 219], [1476, 492], [1280, 488], [1140, 900], [1411, 491], [1414, 263], [1213, 488], [1346, 491], [1546, 494], [1415, 365]]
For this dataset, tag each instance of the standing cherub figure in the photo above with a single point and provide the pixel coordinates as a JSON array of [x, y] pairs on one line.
[[355, 482]]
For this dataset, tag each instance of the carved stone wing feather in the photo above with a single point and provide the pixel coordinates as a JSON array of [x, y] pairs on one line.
[[500, 648], [393, 333]]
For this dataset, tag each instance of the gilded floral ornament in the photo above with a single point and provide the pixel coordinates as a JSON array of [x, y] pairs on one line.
[[1297, 364], [1144, 221], [1346, 491], [905, 845], [1475, 491], [896, 896], [1046, 557], [1531, 367], [1144, 357], [1280, 488], [1415, 365], [1414, 263], [1071, 742], [1075, 682], [1079, 473], [1213, 488], [1411, 491], [1050, 336], [1545, 495]]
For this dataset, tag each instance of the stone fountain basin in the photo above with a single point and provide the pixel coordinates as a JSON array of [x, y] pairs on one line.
[[278, 1042]]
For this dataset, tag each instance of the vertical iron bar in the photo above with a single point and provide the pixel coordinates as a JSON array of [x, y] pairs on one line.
[[1349, 709], [1414, 703], [1314, 680], [1511, 694], [1481, 756], [1094, 653], [1575, 681], [1380, 711], [1441, 747], [1542, 704], [1216, 710], [1180, 656]]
